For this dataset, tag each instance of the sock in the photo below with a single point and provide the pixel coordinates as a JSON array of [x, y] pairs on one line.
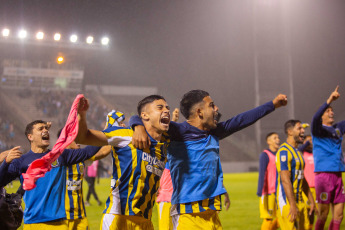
[[330, 227], [274, 225], [336, 224], [319, 225], [266, 224]]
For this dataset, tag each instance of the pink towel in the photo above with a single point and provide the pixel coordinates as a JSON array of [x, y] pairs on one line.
[[40, 166]]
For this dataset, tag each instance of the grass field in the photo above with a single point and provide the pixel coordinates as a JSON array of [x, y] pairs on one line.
[[242, 215]]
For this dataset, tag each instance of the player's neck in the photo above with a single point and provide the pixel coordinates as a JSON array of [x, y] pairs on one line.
[[291, 141], [272, 149], [38, 149], [197, 123], [153, 133]]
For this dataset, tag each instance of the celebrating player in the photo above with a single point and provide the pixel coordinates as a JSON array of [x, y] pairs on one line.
[[195, 167], [292, 212], [329, 163]]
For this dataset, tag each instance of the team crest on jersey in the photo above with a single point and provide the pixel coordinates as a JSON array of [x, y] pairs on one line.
[[283, 158], [338, 132], [324, 196], [55, 163]]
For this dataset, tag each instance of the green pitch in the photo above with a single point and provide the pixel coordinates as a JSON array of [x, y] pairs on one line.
[[243, 212]]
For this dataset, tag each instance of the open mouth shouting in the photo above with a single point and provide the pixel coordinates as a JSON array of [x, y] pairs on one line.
[[165, 121], [217, 117], [45, 136]]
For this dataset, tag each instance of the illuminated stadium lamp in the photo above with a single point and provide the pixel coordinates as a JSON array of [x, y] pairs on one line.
[[73, 38], [5, 32], [22, 34], [89, 40], [57, 37], [60, 60], [40, 35], [105, 41]]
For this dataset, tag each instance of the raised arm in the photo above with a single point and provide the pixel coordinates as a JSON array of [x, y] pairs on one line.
[[248, 118], [88, 136], [316, 125]]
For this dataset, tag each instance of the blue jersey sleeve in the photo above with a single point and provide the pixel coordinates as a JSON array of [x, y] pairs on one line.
[[263, 162], [242, 120], [74, 156], [316, 124], [134, 121], [9, 172]]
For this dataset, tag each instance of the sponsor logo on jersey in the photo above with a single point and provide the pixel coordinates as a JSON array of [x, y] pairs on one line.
[[55, 163], [154, 165]]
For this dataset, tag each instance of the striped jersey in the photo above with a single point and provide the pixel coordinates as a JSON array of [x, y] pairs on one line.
[[136, 173], [194, 161], [289, 158], [74, 201]]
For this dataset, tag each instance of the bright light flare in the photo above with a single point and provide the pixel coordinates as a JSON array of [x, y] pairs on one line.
[[105, 41], [60, 60], [5, 32], [40, 35], [73, 38], [22, 34], [89, 40], [57, 37]]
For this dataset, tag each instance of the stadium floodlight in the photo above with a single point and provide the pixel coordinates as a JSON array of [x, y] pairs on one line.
[[73, 38], [5, 32], [60, 60], [105, 41], [89, 40], [40, 35], [22, 34], [57, 37]]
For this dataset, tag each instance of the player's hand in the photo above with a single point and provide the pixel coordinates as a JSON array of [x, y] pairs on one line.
[[280, 100], [49, 124], [227, 201], [313, 209], [140, 139], [334, 95], [83, 106], [14, 153], [175, 115], [293, 213]]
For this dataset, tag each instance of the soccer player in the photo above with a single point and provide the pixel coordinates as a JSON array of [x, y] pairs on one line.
[[136, 173], [194, 161], [267, 182], [292, 212], [45, 204], [329, 163]]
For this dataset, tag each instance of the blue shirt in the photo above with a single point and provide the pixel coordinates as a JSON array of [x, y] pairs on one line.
[[328, 156], [46, 202], [193, 155]]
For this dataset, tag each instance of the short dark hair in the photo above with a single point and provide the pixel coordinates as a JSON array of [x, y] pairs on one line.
[[147, 100], [290, 124], [190, 99], [270, 134], [30, 126]]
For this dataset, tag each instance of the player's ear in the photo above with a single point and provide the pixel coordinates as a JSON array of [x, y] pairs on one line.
[[145, 116], [30, 137]]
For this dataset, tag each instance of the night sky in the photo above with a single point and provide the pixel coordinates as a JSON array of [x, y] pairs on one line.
[[182, 45]]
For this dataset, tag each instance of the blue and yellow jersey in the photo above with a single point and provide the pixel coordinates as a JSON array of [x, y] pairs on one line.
[[74, 201], [198, 206], [289, 158], [136, 173]]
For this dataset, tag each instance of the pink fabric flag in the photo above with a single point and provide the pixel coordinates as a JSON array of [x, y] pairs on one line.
[[40, 166]]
